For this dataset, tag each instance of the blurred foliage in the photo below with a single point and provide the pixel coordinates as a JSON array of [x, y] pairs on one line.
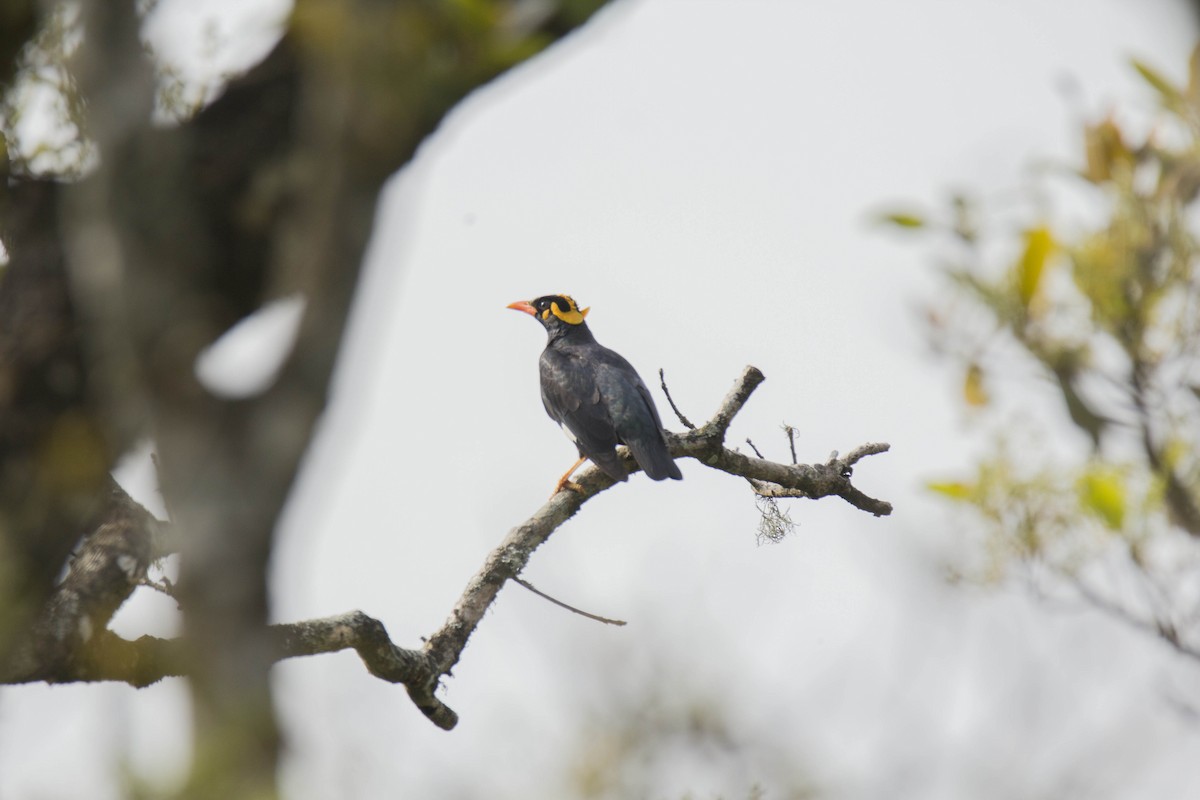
[[657, 742], [1102, 305], [43, 116], [42, 113]]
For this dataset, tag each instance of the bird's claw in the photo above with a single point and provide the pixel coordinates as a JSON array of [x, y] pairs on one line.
[[566, 483]]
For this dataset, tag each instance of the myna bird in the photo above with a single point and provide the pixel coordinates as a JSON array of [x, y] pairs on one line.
[[595, 395]]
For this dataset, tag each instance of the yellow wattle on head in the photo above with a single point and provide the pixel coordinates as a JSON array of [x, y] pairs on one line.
[[571, 315]]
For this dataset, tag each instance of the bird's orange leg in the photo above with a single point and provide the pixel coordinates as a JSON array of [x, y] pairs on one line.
[[565, 481]]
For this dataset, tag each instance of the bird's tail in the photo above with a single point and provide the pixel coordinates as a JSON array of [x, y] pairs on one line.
[[611, 464], [654, 459]]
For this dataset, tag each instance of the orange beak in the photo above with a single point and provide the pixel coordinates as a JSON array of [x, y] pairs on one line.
[[523, 305]]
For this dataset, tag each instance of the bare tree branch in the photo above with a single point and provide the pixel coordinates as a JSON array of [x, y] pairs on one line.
[[1159, 626], [146, 660], [662, 381], [732, 404], [606, 620], [1180, 502], [111, 562], [705, 444]]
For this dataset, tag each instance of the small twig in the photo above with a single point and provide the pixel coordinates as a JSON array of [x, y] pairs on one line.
[[752, 447], [662, 380], [732, 404], [163, 585], [561, 604], [864, 450], [791, 434]]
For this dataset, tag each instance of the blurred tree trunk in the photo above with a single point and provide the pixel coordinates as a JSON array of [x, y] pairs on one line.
[[117, 282]]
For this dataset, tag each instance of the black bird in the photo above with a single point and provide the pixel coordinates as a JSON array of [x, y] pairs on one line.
[[596, 395]]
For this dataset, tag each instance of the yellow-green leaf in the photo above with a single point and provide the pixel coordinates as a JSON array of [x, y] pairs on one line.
[[903, 219], [1102, 492], [1039, 245], [1193, 87], [1169, 91], [955, 490], [1105, 151], [974, 391]]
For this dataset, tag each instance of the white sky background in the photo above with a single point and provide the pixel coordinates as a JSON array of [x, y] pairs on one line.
[[703, 175]]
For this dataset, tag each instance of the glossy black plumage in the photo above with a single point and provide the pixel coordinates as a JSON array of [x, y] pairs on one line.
[[596, 395]]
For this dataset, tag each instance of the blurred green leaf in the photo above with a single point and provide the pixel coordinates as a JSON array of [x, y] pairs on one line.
[[1193, 87], [902, 219], [974, 391], [955, 490], [1105, 151], [1171, 94], [1102, 493], [1039, 245], [1103, 264]]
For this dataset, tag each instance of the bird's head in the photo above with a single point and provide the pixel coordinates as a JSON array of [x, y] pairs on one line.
[[558, 313]]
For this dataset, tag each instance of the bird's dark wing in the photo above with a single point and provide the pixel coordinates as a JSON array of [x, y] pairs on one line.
[[636, 419], [573, 400]]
